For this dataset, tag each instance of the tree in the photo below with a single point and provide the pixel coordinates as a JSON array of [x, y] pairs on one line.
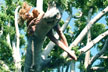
[[8, 43], [43, 55]]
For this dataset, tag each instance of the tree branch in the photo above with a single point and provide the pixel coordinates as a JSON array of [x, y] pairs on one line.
[[87, 55], [88, 26], [17, 54], [98, 54], [66, 23], [97, 68], [93, 42], [85, 30], [17, 28], [39, 5]]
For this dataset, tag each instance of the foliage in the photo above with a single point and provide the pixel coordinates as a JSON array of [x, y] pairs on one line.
[[96, 30], [7, 22]]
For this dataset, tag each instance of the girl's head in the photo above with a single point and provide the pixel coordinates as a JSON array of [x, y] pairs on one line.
[[24, 11]]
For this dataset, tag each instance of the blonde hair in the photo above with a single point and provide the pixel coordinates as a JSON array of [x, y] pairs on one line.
[[25, 9]]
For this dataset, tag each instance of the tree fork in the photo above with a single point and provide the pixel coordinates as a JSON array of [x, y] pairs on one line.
[[50, 19]]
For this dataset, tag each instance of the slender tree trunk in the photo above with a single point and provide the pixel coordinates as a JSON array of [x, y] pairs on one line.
[[33, 61], [87, 56], [62, 70], [72, 66], [28, 59], [39, 4], [93, 59], [17, 57], [37, 54], [67, 67], [58, 69]]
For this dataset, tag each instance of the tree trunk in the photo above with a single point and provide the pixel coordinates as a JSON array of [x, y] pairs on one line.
[[37, 53], [72, 66], [16, 49], [87, 55], [28, 59], [50, 19]]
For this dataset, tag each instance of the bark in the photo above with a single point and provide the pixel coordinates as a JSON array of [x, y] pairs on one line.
[[51, 17], [85, 30], [72, 68], [89, 25], [28, 59], [87, 58], [87, 55], [94, 58], [93, 42], [39, 5], [16, 52]]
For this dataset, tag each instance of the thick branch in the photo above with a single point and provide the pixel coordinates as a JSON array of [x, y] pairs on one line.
[[89, 45], [28, 59], [17, 54], [87, 55], [93, 42], [16, 26], [50, 19], [98, 54], [39, 4], [88, 26], [85, 30]]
